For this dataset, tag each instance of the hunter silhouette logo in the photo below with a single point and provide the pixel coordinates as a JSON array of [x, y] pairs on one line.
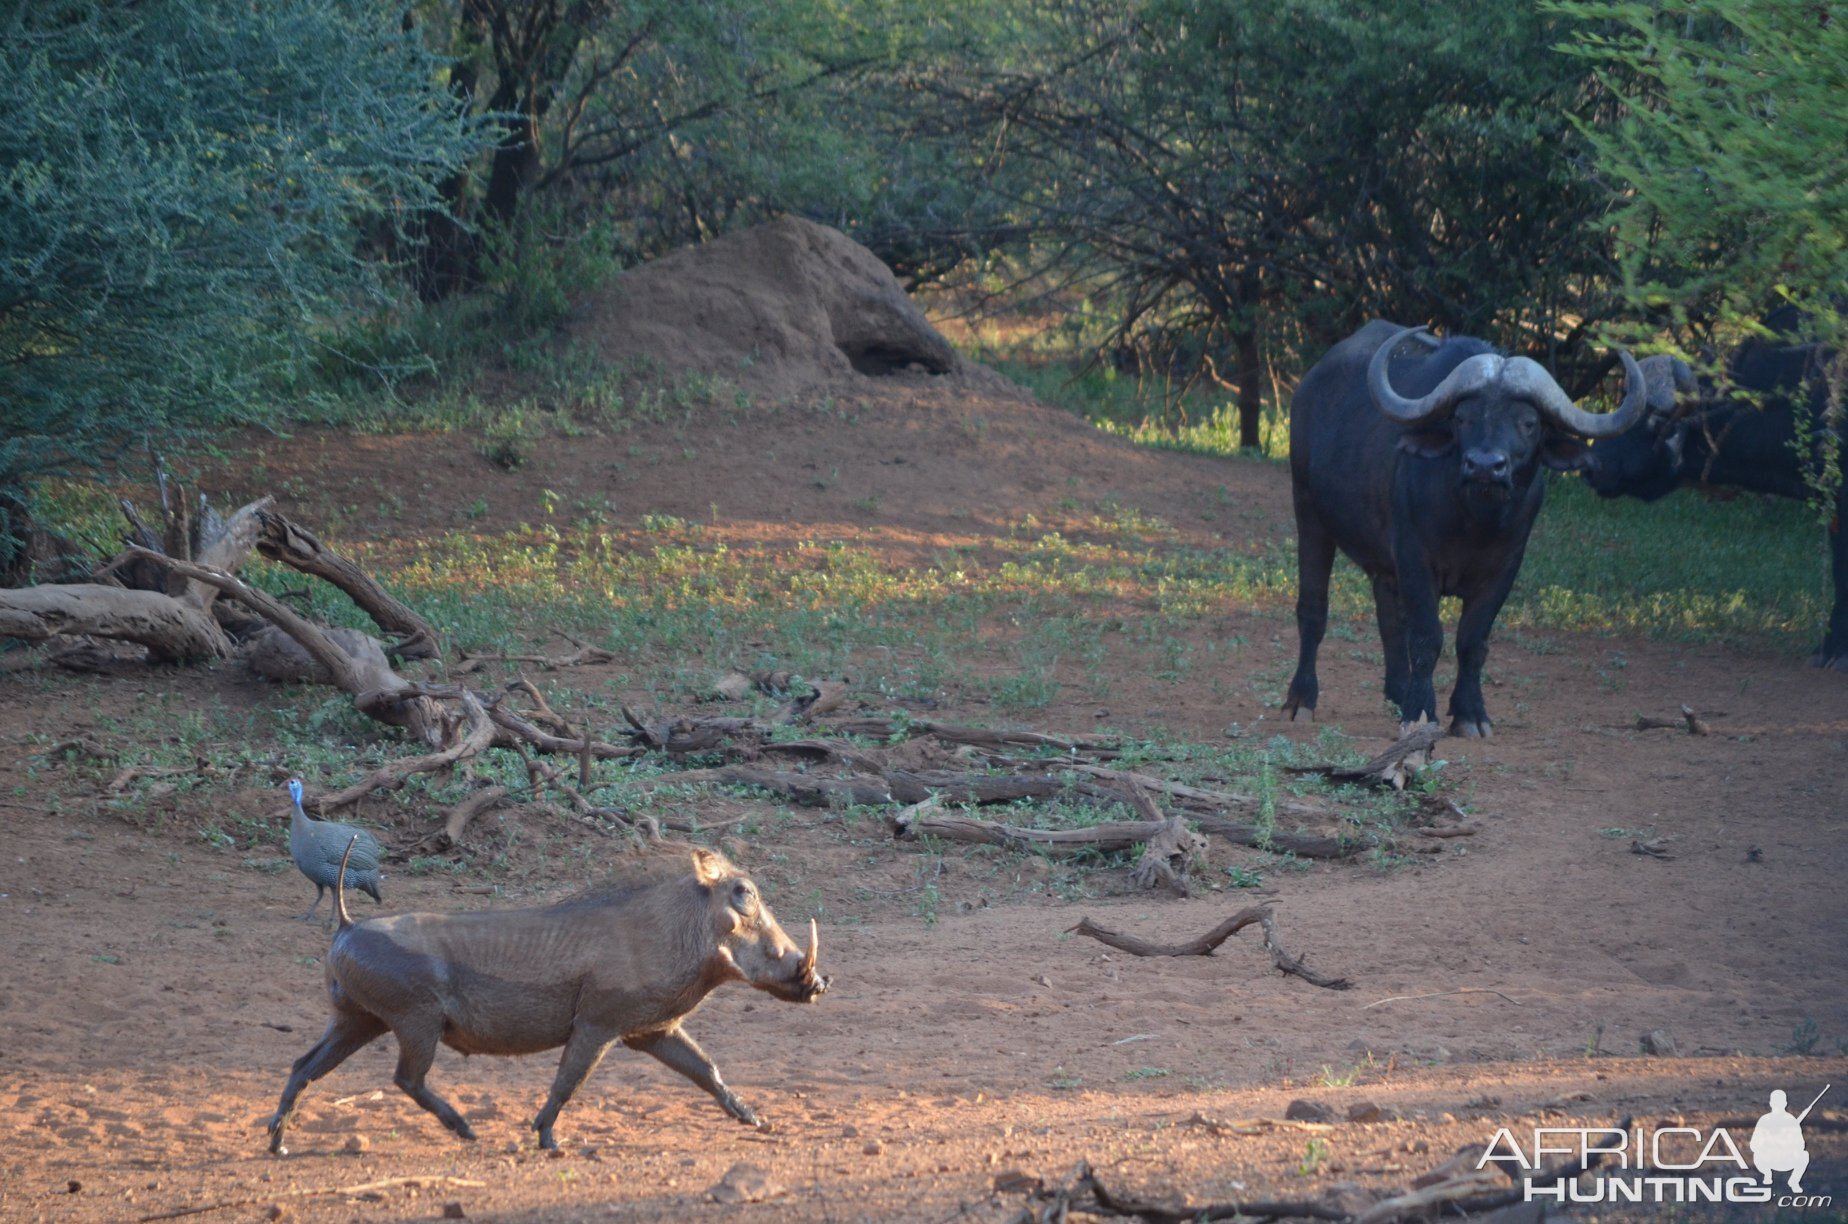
[[1777, 1141]]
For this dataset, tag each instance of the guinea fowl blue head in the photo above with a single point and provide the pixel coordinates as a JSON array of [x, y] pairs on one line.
[[317, 846]]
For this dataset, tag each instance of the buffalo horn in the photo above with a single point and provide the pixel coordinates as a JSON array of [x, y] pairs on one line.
[[808, 958], [1471, 375], [1530, 381]]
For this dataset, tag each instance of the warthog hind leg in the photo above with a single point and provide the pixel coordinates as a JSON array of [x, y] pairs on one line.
[[583, 1051], [347, 1033], [416, 1051], [679, 1051]]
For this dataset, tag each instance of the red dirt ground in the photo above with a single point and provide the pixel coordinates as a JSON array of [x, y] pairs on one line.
[[154, 991]]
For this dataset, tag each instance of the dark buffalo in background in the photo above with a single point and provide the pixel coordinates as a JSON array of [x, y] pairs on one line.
[[1745, 438], [1423, 464]]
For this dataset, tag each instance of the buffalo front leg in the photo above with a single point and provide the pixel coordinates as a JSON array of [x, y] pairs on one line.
[[347, 1032], [1315, 559], [416, 1053], [677, 1050], [583, 1051], [1469, 716]]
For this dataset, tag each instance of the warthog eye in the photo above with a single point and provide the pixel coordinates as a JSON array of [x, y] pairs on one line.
[[743, 897]]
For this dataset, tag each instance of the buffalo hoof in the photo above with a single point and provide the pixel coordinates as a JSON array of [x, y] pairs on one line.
[[1479, 729], [1830, 663]]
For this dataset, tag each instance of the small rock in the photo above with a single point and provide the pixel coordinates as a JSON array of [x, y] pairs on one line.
[[276, 1212], [850, 1131], [1350, 1198], [1660, 1042], [356, 1144], [1459, 1165], [1017, 1181], [1043, 980], [1308, 1111], [453, 1211], [73, 1187], [873, 1147], [746, 1183], [1370, 1111], [555, 1153]]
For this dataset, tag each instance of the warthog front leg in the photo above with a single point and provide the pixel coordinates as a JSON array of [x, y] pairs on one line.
[[347, 1033], [416, 1052], [677, 1050], [583, 1051]]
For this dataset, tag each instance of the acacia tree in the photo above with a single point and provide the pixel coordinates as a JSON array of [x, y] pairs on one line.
[[1265, 175], [666, 122], [184, 189], [1732, 175]]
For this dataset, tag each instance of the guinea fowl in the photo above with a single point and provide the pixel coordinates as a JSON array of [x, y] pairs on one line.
[[316, 847]]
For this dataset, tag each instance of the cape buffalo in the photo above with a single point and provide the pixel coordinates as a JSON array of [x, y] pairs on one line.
[[1746, 439], [1423, 466]]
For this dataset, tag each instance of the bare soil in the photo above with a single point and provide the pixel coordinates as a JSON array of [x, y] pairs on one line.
[[154, 990]]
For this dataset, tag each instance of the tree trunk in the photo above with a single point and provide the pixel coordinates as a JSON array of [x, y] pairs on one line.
[[1249, 365]]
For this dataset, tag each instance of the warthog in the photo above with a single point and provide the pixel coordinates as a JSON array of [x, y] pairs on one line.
[[625, 961]]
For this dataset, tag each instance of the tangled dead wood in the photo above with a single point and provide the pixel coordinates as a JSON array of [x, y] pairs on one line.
[[852, 758], [1460, 1195]]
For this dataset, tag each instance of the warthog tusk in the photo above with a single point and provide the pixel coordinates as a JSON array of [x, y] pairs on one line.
[[808, 958]]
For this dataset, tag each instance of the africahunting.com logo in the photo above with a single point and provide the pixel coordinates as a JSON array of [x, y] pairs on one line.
[[1670, 1164]]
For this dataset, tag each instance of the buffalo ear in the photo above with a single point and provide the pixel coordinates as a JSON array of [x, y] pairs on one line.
[[1564, 452], [1427, 443]]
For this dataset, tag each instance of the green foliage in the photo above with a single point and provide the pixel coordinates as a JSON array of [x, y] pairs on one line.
[[185, 190], [1733, 174]]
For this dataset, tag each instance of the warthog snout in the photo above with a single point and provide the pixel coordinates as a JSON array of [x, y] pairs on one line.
[[758, 947], [625, 961]]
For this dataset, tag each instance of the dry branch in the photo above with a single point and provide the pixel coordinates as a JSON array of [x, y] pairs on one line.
[[462, 814], [1689, 720], [1204, 944], [1389, 768], [280, 539], [479, 736], [578, 658]]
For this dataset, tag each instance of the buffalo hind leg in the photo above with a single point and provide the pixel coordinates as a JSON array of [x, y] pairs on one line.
[[679, 1051], [1391, 616], [583, 1051], [1834, 652], [347, 1033], [416, 1053], [1315, 559]]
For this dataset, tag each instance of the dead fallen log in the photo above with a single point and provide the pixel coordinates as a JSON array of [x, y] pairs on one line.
[[1205, 944], [1689, 720], [281, 539], [379, 692], [173, 630], [888, 729]]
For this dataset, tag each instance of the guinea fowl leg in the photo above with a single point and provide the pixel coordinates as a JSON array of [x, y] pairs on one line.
[[319, 891]]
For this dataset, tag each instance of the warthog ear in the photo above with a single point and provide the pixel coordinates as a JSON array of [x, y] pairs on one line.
[[708, 868]]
